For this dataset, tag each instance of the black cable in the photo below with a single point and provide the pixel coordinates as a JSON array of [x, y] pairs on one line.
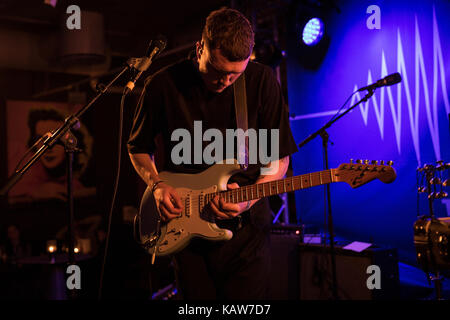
[[116, 184], [337, 113], [324, 246], [325, 195]]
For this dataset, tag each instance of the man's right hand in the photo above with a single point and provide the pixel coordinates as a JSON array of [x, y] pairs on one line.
[[168, 201]]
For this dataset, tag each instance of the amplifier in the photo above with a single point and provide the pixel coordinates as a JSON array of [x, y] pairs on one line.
[[352, 273], [284, 278]]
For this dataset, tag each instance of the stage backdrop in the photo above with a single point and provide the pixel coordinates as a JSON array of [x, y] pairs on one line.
[[407, 123]]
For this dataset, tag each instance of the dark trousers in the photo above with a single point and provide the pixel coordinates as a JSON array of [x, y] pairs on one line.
[[237, 269]]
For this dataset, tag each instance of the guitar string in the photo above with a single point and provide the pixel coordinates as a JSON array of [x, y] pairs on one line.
[[310, 180], [235, 194]]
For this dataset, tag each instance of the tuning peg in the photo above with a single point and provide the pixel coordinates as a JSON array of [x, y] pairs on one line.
[[366, 161], [390, 163], [442, 195], [374, 162], [442, 166], [382, 162], [421, 190], [435, 180], [432, 195], [359, 161], [446, 183]]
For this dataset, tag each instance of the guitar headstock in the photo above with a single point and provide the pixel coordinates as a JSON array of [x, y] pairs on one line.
[[362, 172]]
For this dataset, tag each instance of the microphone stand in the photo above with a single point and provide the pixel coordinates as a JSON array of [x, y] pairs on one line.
[[63, 135], [325, 138]]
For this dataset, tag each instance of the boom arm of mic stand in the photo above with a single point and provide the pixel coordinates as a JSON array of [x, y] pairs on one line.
[[50, 141]]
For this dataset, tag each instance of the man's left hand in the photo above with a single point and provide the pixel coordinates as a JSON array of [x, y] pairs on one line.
[[227, 210]]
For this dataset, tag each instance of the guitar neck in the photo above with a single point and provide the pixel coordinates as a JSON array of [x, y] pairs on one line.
[[266, 189]]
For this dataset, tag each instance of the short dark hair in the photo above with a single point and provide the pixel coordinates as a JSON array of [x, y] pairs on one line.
[[230, 31]]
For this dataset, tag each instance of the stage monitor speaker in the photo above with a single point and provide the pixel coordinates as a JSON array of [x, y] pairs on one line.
[[352, 273], [284, 278]]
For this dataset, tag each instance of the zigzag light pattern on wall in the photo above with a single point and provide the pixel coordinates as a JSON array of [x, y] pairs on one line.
[[431, 107]]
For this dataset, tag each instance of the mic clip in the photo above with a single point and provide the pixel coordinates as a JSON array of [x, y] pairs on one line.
[[139, 64]]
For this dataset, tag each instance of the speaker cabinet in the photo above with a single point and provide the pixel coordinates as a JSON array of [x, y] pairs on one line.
[[284, 278], [315, 273]]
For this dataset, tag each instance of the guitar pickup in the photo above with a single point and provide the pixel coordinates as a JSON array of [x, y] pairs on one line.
[[187, 206]]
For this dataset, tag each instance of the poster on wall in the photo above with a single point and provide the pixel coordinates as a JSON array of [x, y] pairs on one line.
[[27, 124]]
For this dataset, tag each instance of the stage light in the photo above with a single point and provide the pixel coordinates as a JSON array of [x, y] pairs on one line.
[[313, 31], [51, 246], [308, 32], [314, 42]]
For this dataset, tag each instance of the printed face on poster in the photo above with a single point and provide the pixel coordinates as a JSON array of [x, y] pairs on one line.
[[26, 123]]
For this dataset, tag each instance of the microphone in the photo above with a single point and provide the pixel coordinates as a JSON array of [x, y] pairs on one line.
[[142, 64], [386, 81]]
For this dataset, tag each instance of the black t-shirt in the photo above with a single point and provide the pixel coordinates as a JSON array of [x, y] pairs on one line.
[[176, 96]]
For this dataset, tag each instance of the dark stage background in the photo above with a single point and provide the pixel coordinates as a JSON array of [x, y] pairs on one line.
[[42, 63]]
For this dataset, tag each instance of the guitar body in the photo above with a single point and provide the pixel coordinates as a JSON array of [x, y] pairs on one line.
[[176, 234], [195, 190]]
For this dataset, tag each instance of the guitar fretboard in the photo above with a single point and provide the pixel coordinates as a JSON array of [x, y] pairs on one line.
[[266, 189]]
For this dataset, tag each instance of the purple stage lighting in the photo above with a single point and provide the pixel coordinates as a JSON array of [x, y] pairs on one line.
[[313, 31]]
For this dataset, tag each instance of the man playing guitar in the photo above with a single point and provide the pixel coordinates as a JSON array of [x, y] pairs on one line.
[[200, 89]]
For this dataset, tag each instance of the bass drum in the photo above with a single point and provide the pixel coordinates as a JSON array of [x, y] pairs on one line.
[[432, 242]]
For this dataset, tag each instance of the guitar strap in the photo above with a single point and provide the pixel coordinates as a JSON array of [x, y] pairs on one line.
[[240, 106]]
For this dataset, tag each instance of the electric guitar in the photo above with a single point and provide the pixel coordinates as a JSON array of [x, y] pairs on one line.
[[196, 190]]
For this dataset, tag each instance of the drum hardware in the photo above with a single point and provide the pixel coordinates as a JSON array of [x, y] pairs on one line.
[[431, 234]]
